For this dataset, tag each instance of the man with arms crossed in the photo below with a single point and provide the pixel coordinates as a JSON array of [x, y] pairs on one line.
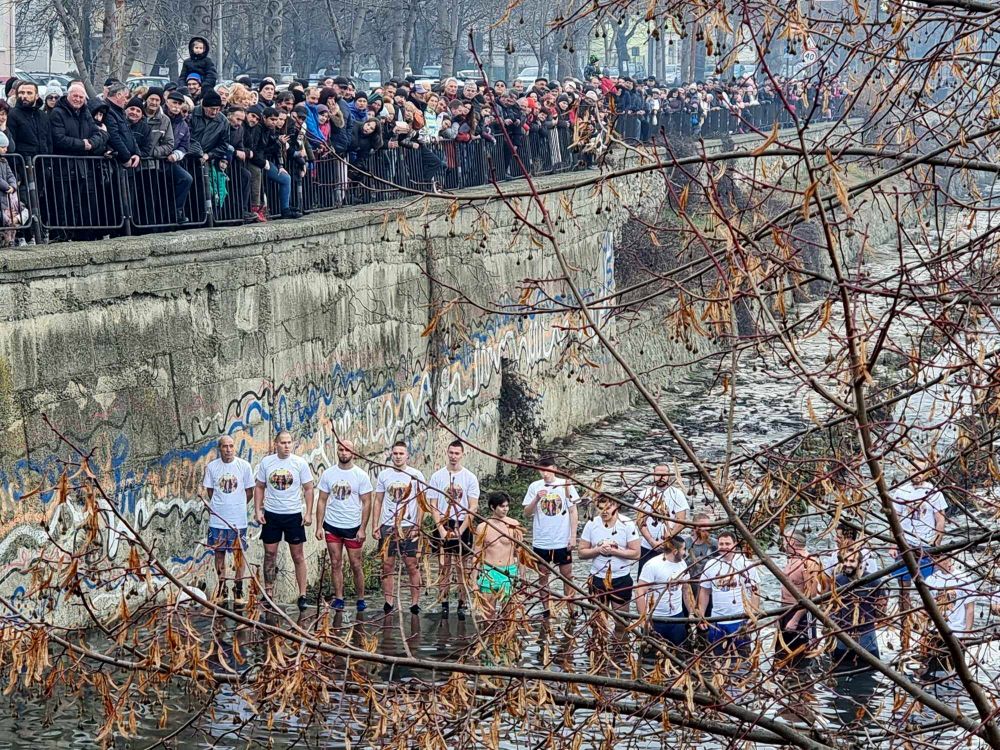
[[399, 500], [282, 480], [453, 493], [663, 509], [496, 549], [229, 483], [551, 502], [345, 504], [731, 583]]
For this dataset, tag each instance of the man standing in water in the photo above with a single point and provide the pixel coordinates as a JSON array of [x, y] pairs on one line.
[[551, 502], [663, 509], [282, 480], [453, 493], [229, 483], [612, 542], [496, 549], [399, 501], [663, 593], [342, 513], [794, 626], [730, 583]]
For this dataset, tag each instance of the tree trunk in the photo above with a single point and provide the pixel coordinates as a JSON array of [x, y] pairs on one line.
[[449, 39], [71, 31], [274, 19]]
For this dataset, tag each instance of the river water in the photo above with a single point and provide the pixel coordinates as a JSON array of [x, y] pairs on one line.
[[769, 407]]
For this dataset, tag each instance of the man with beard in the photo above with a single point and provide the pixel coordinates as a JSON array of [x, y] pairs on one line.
[[662, 511], [453, 496]]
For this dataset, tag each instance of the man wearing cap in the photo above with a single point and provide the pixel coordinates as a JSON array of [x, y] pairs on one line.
[[209, 129], [28, 124], [162, 145], [120, 137], [193, 84]]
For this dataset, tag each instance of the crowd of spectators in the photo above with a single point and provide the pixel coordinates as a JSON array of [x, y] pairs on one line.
[[256, 138]]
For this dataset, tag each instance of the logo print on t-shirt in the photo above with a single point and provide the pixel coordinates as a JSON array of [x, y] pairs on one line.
[[340, 491], [399, 490], [281, 479], [551, 504], [454, 492], [227, 483]]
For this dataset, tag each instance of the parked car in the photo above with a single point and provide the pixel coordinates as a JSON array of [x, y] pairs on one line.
[[372, 75], [527, 76], [147, 81], [469, 75], [431, 71]]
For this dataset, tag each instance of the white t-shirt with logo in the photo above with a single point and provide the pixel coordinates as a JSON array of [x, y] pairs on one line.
[[453, 494], [960, 589], [550, 524], [916, 507], [229, 483], [667, 502], [283, 479], [399, 501], [731, 583], [663, 575], [344, 488], [623, 532]]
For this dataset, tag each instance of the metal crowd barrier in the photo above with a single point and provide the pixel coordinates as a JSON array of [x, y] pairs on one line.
[[88, 196]]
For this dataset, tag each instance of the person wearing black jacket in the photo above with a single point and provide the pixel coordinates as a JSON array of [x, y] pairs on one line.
[[253, 140], [210, 129], [141, 130], [199, 62], [239, 175], [273, 149], [76, 181], [120, 137], [29, 124]]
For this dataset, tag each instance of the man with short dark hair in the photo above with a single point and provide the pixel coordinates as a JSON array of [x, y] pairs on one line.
[[611, 541], [551, 502], [399, 503], [731, 583], [273, 145], [29, 124], [120, 136], [453, 496]]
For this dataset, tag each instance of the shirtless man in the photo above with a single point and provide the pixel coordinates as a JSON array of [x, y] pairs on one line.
[[496, 548], [794, 627]]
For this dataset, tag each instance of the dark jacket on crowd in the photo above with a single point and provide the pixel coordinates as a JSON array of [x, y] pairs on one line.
[[272, 149], [161, 142], [364, 145], [209, 135], [182, 134], [200, 64], [30, 127], [253, 139], [121, 139], [143, 136], [70, 127], [340, 137]]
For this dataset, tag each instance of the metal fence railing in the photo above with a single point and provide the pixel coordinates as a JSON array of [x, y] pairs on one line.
[[83, 197]]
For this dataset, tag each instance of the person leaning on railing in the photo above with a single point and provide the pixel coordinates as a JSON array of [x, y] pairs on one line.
[[163, 146]]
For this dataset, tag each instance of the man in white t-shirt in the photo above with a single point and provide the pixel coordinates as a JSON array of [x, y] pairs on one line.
[[956, 593], [921, 511], [664, 592], [282, 480], [342, 513], [229, 484], [399, 511], [551, 503], [453, 496], [611, 543], [730, 581], [663, 509]]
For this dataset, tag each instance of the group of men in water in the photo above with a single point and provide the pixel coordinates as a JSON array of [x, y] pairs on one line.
[[685, 576]]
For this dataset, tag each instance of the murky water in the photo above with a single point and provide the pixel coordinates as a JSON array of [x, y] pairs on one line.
[[769, 407]]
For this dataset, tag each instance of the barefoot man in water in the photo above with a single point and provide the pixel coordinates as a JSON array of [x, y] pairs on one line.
[[794, 627], [496, 549]]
